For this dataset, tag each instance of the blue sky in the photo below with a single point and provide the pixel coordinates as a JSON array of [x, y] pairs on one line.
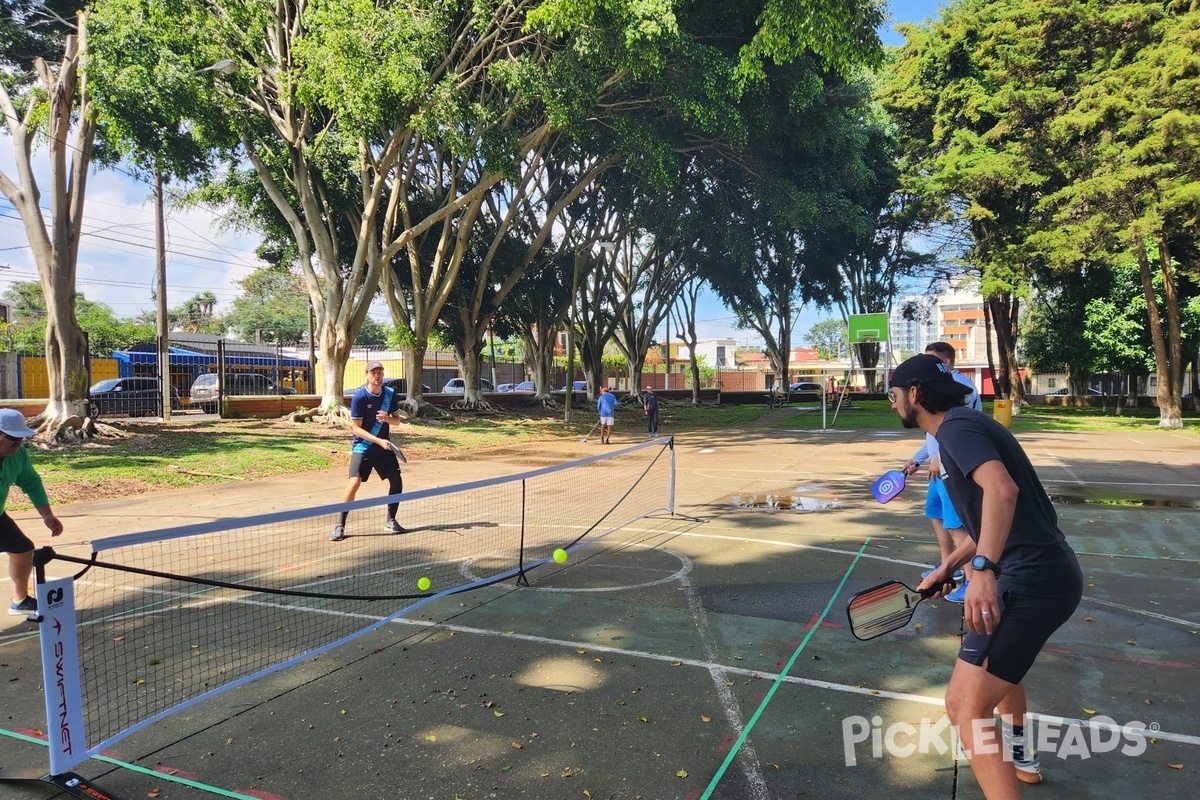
[[116, 263]]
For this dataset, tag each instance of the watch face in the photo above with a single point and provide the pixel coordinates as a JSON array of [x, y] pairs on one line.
[[978, 562]]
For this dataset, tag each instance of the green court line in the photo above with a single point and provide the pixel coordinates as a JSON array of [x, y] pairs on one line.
[[733, 751], [204, 787]]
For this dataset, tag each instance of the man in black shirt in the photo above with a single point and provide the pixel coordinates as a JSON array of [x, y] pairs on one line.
[[1027, 580]]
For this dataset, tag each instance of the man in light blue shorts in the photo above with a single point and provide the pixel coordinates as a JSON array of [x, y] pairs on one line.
[[606, 406], [947, 527]]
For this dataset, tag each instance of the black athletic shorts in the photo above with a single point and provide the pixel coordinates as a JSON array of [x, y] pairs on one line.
[[1029, 613], [11, 538], [383, 462]]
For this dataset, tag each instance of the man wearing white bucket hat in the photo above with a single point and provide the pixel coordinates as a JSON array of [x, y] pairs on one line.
[[17, 470]]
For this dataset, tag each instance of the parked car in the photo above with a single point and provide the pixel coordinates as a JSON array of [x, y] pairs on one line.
[[525, 386], [397, 385], [505, 387], [577, 386], [458, 386], [805, 386], [132, 397], [205, 395], [1091, 392], [400, 385]]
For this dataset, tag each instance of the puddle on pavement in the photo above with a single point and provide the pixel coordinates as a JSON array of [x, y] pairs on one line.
[[782, 501], [1121, 501]]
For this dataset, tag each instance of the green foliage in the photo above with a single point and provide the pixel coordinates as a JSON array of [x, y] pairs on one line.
[[272, 309], [106, 333], [372, 334], [830, 337], [197, 315]]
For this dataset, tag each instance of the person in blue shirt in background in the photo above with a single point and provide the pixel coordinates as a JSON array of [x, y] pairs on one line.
[[606, 405], [947, 526]]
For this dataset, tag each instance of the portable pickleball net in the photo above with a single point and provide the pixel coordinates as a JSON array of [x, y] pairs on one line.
[[156, 622]]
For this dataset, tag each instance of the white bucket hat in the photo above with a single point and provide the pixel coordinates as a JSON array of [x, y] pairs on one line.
[[12, 423]]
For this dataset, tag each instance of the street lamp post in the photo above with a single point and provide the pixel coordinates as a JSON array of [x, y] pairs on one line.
[[160, 256], [569, 387]]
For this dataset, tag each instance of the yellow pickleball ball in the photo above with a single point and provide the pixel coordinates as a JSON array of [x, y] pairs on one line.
[[423, 584], [560, 556]]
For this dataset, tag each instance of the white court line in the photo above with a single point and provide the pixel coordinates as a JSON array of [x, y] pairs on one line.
[[747, 756], [1064, 466], [928, 700], [1163, 617]]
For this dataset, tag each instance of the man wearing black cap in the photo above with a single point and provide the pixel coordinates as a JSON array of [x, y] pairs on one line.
[[1027, 580], [373, 405]]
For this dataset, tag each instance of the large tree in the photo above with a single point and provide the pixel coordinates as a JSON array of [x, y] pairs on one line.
[[44, 100]]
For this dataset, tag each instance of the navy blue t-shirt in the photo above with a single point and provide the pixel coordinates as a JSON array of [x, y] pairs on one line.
[[364, 406], [1035, 547]]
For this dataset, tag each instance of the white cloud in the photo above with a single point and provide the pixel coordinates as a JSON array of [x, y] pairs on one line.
[[116, 263]]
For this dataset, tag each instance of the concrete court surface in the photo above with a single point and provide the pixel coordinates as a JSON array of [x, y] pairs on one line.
[[638, 667]]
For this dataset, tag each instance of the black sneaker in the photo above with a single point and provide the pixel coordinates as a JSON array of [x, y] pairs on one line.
[[391, 526], [339, 533], [23, 608]]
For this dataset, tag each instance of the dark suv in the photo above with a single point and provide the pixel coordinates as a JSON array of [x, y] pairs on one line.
[[204, 393], [131, 397]]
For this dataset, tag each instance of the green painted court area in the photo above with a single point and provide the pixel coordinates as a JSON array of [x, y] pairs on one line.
[[700, 654]]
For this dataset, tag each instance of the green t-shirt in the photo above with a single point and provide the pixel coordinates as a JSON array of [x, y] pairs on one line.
[[17, 470]]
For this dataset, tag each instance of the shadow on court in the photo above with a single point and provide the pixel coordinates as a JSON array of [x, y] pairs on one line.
[[700, 655]]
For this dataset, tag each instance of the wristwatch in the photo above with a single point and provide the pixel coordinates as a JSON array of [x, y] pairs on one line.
[[983, 562]]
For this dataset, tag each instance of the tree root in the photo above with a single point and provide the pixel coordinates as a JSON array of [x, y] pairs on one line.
[[476, 407], [413, 409], [337, 417], [72, 430]]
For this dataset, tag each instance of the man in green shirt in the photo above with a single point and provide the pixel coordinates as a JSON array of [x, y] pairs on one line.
[[16, 469]]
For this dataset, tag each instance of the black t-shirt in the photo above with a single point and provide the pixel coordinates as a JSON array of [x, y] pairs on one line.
[[1035, 546]]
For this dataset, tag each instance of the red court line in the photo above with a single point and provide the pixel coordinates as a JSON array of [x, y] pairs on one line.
[[1146, 662]]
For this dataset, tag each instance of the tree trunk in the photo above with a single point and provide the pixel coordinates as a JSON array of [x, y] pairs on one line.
[[1169, 413], [539, 359], [414, 372], [469, 360], [868, 359], [333, 347], [1004, 309]]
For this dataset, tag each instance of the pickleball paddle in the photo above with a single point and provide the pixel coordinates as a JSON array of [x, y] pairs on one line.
[[889, 484]]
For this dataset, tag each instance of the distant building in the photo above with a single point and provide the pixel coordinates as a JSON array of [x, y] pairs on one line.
[[717, 353], [913, 324]]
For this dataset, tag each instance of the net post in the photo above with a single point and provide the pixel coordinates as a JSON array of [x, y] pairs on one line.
[[60, 675], [522, 580], [671, 480]]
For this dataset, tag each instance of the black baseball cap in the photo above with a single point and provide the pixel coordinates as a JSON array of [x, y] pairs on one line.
[[930, 372]]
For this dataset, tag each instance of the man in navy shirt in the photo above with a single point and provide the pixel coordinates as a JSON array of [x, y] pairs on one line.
[[650, 406], [1026, 583], [375, 406]]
